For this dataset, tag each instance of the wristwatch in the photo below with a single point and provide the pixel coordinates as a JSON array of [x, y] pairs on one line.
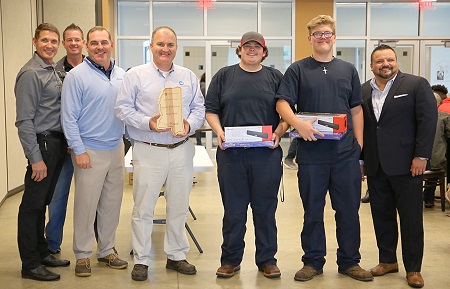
[[423, 159]]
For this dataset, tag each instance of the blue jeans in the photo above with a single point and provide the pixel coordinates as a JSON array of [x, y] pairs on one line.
[[58, 206]]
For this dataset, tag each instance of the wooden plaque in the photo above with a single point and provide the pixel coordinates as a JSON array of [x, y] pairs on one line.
[[170, 108]]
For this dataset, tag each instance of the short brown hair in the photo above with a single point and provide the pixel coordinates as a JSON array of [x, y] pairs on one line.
[[321, 20], [45, 27], [163, 27], [98, 28], [73, 26]]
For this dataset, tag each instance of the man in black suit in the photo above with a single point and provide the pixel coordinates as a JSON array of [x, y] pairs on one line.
[[400, 118]]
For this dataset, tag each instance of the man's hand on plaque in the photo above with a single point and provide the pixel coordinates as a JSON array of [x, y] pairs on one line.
[[187, 128], [154, 126]]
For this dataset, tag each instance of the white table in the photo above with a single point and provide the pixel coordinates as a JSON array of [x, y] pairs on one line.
[[202, 162]]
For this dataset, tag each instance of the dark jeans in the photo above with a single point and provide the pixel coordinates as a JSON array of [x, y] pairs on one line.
[[292, 151], [249, 177], [36, 196], [343, 182], [429, 190]]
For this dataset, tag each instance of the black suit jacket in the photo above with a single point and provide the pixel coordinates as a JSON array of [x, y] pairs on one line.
[[406, 127]]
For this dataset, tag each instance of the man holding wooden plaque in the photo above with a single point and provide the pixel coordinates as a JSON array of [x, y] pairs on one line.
[[161, 105]]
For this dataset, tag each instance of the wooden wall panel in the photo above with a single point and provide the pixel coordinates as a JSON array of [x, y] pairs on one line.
[[305, 10]]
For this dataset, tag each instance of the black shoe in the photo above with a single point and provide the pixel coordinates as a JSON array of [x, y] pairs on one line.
[[41, 274], [140, 272], [366, 198], [52, 261], [181, 266]]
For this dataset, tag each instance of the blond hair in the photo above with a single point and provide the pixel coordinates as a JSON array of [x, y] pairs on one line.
[[322, 20]]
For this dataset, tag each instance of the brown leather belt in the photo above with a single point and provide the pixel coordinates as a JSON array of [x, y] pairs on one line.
[[168, 146]]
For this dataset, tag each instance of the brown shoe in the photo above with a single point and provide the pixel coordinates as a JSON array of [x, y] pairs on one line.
[[358, 273], [181, 266], [384, 268], [414, 279], [227, 271], [112, 260], [307, 273], [83, 267], [270, 271], [428, 205], [140, 272]]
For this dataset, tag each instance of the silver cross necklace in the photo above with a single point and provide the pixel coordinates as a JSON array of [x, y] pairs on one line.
[[324, 66]]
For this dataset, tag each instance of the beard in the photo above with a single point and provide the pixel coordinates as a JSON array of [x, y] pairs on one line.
[[389, 75]]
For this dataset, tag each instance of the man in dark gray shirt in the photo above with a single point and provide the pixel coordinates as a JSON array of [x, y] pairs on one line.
[[38, 105]]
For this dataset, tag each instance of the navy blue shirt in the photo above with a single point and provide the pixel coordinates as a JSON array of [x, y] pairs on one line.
[[242, 98], [306, 85]]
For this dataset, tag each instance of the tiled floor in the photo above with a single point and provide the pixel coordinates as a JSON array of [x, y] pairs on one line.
[[206, 203]]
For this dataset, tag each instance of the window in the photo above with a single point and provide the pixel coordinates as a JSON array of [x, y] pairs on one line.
[[232, 18], [134, 18], [351, 19], [274, 16], [436, 21], [394, 19], [183, 17]]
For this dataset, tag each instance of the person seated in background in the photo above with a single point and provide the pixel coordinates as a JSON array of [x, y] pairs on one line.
[[438, 158], [441, 90]]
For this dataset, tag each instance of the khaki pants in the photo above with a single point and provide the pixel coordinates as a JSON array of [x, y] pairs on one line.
[[98, 192]]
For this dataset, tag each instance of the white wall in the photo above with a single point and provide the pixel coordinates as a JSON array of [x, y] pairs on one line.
[[63, 13], [18, 20]]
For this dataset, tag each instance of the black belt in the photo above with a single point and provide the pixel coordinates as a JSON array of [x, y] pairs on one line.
[[169, 146], [58, 134]]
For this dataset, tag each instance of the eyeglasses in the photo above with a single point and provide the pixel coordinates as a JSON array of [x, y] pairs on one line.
[[318, 34]]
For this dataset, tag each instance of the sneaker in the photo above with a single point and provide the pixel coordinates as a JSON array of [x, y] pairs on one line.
[[140, 272], [181, 266], [112, 260], [289, 164], [83, 267]]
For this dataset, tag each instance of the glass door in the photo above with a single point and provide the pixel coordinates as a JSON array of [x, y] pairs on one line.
[[435, 62], [218, 54], [407, 55]]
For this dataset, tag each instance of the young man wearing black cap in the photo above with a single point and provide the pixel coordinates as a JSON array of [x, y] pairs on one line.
[[247, 175]]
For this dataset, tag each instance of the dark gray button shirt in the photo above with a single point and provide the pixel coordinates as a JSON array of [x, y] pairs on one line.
[[38, 104]]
